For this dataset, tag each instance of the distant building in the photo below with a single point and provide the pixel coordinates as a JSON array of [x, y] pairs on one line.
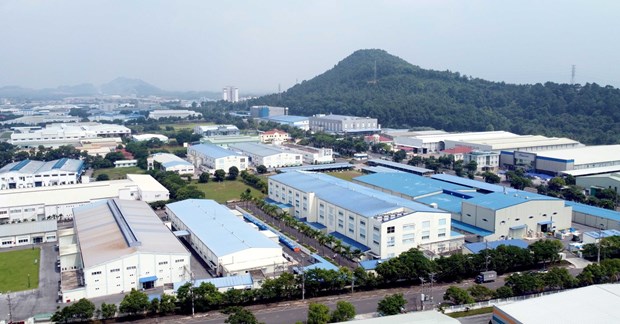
[[339, 124], [300, 122], [230, 94], [268, 155], [312, 155], [267, 111], [180, 113], [100, 145], [116, 246], [172, 163], [227, 140], [30, 174], [216, 130], [55, 135], [598, 182], [274, 136], [30, 232], [486, 161], [148, 137], [457, 152], [125, 163], [208, 158]]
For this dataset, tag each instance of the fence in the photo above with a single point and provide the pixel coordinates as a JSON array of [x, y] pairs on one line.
[[493, 302]]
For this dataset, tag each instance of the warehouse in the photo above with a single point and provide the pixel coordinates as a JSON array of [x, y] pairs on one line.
[[225, 141], [148, 137], [434, 141], [408, 186], [524, 143], [55, 135], [31, 232], [171, 163], [312, 155], [216, 130], [340, 124], [400, 166], [268, 155], [515, 214], [30, 174], [300, 122], [593, 183], [176, 113], [208, 158], [59, 201], [119, 245], [592, 304], [364, 218], [225, 242], [594, 216], [556, 161]]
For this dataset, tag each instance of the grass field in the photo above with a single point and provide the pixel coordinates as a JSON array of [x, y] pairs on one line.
[[484, 310], [224, 191], [15, 267], [345, 175], [117, 173], [184, 125]]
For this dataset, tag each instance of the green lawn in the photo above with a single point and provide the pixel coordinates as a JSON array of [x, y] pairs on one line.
[[472, 312], [15, 267], [345, 175], [224, 191], [117, 173]]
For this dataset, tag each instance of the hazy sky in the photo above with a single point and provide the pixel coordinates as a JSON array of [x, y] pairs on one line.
[[255, 45]]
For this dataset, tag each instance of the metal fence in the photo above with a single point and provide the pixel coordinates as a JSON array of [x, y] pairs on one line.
[[493, 302]]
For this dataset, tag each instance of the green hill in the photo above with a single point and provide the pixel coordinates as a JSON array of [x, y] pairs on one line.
[[405, 95]]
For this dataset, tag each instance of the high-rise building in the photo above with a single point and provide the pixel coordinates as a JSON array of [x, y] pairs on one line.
[[230, 93]]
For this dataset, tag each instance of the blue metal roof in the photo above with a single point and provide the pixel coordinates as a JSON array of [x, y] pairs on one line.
[[218, 228], [277, 204], [594, 211], [498, 200], [221, 282], [321, 264], [408, 184], [469, 228], [213, 150], [471, 183], [19, 165], [60, 163], [491, 245], [330, 166], [399, 166], [350, 242], [287, 118], [356, 198], [371, 264], [147, 279], [316, 226], [603, 234], [444, 201], [170, 164]]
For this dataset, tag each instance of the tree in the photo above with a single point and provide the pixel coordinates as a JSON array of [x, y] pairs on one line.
[[220, 175], [525, 283], [504, 292], [491, 177], [261, 169], [399, 155], [167, 304], [103, 177], [457, 296], [154, 306], [188, 192], [204, 177], [108, 310], [84, 309], [559, 278], [318, 314], [233, 173], [135, 302], [480, 292], [240, 315], [344, 311], [546, 250], [472, 166], [392, 304], [556, 184]]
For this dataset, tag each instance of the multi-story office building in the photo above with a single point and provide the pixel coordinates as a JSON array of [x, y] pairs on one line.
[[230, 94]]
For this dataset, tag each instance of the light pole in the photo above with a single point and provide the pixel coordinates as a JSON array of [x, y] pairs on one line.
[[8, 296], [600, 242]]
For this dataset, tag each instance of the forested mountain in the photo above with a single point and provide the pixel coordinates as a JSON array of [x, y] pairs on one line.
[[405, 95]]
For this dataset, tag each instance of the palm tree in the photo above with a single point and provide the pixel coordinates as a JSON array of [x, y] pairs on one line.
[[346, 251], [322, 240]]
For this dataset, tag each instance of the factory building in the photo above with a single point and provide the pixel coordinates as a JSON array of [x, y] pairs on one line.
[[31, 174], [225, 242], [363, 218], [300, 122], [208, 158], [312, 155], [31, 232], [171, 162], [268, 155], [340, 124], [148, 137], [59, 201], [216, 130], [267, 111], [116, 246], [55, 135], [176, 113], [594, 216], [226, 141]]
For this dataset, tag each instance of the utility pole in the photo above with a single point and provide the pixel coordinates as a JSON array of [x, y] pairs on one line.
[[600, 242], [8, 295]]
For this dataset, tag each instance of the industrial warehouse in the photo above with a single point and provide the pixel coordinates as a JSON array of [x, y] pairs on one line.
[[209, 157]]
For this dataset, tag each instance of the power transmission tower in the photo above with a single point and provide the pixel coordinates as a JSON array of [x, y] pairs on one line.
[[572, 75]]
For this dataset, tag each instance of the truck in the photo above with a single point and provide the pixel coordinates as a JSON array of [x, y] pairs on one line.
[[486, 276]]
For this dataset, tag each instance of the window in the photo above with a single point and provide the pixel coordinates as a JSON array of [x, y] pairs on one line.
[[179, 260], [408, 238], [484, 219], [351, 231], [442, 221], [22, 241], [408, 227], [391, 241], [362, 223], [351, 218], [115, 270], [390, 229], [376, 229], [95, 273], [517, 219], [441, 232], [426, 224], [426, 235], [531, 217], [340, 223], [131, 267]]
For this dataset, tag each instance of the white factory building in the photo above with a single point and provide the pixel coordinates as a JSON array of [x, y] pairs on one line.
[[55, 135], [312, 155], [115, 246], [225, 242], [148, 137], [24, 233], [363, 218], [30, 174], [209, 157], [216, 130], [340, 124], [171, 162], [557, 161], [268, 155], [180, 113], [39, 203], [267, 111]]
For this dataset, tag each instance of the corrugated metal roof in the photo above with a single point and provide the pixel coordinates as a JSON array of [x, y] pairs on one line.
[[603, 234], [409, 184], [469, 228], [498, 200], [174, 163], [392, 164], [444, 201], [594, 211], [257, 149], [218, 228], [287, 118], [101, 239], [492, 245], [213, 151], [330, 166], [354, 197], [221, 282], [471, 183], [34, 167], [25, 228]]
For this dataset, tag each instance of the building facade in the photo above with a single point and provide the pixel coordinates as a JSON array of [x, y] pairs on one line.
[[230, 94], [312, 155], [217, 130], [170, 162], [274, 136], [268, 155], [267, 111], [24, 233], [31, 174], [339, 124], [209, 158], [486, 161], [55, 135]]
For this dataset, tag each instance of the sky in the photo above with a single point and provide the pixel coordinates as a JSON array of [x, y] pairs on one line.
[[259, 45]]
